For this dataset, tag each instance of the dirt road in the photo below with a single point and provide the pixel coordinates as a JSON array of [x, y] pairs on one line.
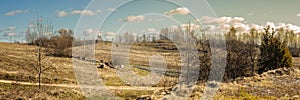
[[76, 86]]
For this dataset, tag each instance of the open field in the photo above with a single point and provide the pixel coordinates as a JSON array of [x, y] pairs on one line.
[[18, 77]]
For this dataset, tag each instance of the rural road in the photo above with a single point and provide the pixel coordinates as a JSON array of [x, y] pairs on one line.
[[76, 86]]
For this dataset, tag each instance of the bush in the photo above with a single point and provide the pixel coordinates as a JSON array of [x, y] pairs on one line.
[[61, 44]]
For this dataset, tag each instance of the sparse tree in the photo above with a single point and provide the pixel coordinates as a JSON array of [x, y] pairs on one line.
[[238, 62]]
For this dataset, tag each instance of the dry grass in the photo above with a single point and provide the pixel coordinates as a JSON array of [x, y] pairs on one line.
[[16, 62], [19, 92]]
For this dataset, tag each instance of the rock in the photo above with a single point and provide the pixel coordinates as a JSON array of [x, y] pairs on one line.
[[109, 64], [247, 84], [144, 97], [278, 72], [296, 96], [271, 72], [213, 84], [101, 66], [163, 93]]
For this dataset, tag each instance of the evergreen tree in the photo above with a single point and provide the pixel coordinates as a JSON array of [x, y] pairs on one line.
[[274, 53]]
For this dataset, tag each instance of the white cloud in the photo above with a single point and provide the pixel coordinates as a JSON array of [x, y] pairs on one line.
[[10, 34], [237, 20], [298, 15], [222, 20], [180, 11], [242, 28], [135, 18], [13, 13], [61, 13], [8, 29], [12, 28], [293, 27], [78, 12], [225, 23], [206, 18], [83, 12]]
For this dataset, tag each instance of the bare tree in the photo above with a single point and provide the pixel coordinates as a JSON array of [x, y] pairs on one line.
[[39, 32], [30, 36]]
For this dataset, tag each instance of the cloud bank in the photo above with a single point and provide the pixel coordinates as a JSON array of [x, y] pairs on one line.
[[225, 23]]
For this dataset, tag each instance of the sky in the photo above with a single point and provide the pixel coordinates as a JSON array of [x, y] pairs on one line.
[[117, 16]]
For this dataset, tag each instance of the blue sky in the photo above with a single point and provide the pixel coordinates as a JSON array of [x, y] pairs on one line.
[[66, 13]]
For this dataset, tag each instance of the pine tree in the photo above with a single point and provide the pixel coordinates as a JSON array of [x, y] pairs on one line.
[[274, 53]]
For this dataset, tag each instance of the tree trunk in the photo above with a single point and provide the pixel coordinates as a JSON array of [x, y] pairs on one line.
[[252, 59], [39, 66], [39, 80]]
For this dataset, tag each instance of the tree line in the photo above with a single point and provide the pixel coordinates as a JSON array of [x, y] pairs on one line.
[[248, 53]]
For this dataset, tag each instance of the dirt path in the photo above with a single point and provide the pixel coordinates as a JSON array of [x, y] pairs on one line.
[[76, 86]]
